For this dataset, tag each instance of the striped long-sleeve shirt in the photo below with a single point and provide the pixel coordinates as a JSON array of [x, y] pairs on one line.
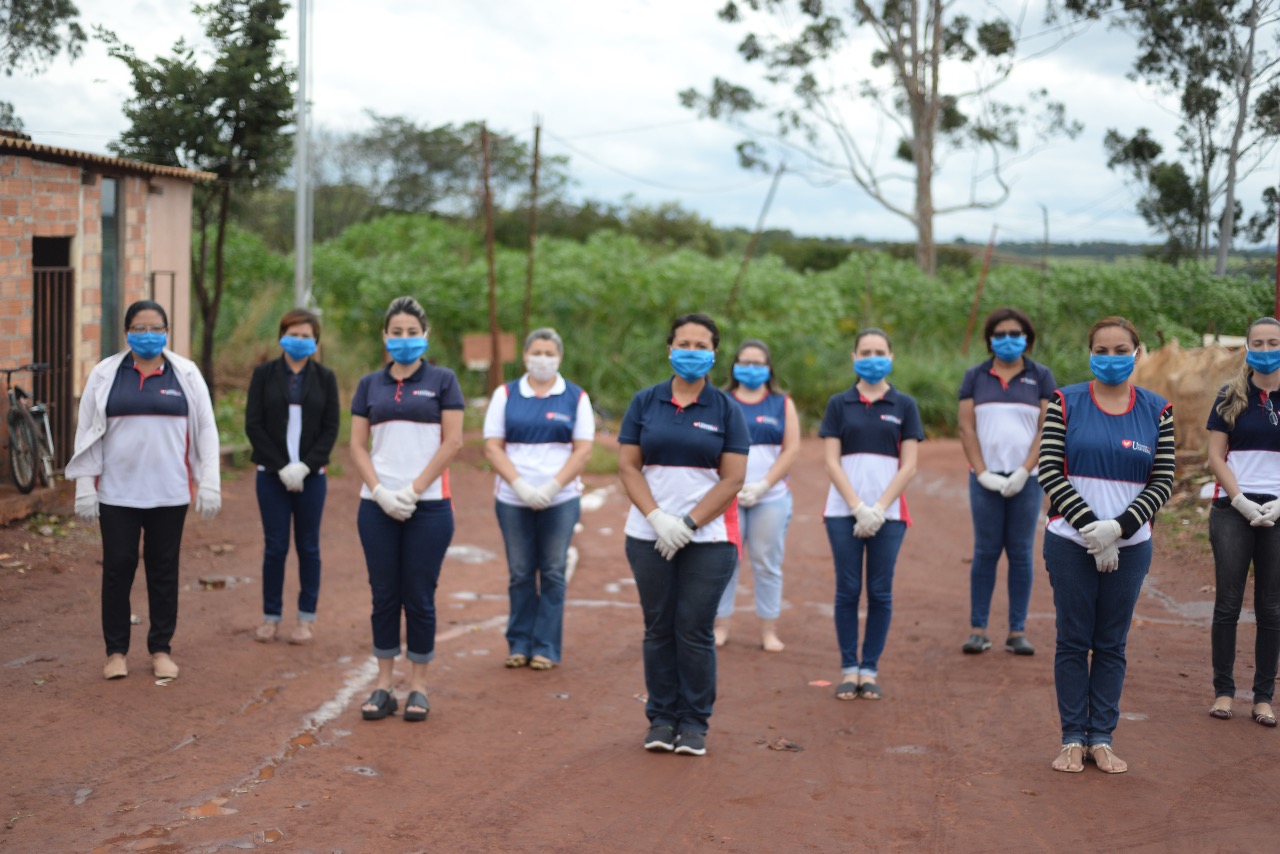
[[1095, 465]]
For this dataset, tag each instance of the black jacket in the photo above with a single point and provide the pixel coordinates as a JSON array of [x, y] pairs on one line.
[[266, 415]]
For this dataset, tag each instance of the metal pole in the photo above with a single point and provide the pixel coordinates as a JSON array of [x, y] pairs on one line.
[[302, 169], [495, 354], [533, 228]]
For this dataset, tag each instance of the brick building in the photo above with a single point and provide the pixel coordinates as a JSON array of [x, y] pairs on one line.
[[81, 237]]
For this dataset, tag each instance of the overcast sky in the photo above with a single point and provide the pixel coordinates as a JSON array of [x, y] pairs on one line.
[[604, 78]]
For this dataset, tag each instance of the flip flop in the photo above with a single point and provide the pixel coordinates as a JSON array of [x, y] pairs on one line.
[[540, 663], [516, 660], [847, 687], [385, 703], [419, 699]]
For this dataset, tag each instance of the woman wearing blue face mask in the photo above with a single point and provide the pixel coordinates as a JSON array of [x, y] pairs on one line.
[[406, 427], [145, 431], [1002, 406], [764, 504], [1106, 463], [870, 434], [1244, 453], [291, 419], [682, 456]]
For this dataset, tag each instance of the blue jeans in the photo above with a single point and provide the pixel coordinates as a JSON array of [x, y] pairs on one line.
[[679, 599], [1094, 613], [764, 538], [1003, 525], [537, 544], [281, 509], [1236, 544], [882, 555], [404, 560]]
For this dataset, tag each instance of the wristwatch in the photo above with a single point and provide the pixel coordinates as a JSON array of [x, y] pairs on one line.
[[689, 523]]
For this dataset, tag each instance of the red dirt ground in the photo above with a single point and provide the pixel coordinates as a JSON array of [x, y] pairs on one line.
[[263, 747]]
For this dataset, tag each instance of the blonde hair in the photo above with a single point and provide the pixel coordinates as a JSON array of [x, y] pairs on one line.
[[1235, 399]]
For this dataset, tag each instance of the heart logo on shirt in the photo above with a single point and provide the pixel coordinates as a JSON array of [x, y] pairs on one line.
[[1127, 443]]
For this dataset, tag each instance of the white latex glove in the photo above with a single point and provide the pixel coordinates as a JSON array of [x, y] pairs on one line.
[[208, 501], [1014, 482], [753, 492], [870, 517], [1250, 510], [409, 494], [394, 504], [1100, 534], [1108, 560], [293, 475], [86, 499], [673, 533], [529, 493], [992, 481], [549, 491], [1270, 513]]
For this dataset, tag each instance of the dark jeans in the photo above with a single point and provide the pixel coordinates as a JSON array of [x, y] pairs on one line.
[[122, 527], [679, 599], [404, 560], [1236, 544], [1005, 525], [882, 556], [281, 509], [537, 543], [1094, 612]]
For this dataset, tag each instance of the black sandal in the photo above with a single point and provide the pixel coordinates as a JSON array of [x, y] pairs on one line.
[[385, 703], [418, 699], [847, 687], [869, 691]]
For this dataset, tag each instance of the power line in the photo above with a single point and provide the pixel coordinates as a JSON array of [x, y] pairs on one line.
[[640, 179]]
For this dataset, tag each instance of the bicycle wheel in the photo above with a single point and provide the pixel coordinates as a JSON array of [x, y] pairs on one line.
[[24, 456]]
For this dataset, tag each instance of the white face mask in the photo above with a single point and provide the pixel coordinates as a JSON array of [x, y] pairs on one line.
[[542, 368]]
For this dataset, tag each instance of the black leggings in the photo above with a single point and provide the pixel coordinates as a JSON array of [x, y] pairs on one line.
[[122, 527]]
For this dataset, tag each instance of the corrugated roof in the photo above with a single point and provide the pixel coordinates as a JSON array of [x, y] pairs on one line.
[[57, 154]]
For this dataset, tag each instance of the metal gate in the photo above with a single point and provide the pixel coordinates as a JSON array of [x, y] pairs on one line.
[[53, 322]]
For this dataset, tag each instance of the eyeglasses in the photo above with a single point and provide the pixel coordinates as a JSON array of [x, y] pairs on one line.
[[142, 330], [1271, 412], [1014, 333]]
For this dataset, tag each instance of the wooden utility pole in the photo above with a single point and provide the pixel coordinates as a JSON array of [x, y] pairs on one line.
[[977, 294], [1044, 265], [533, 231], [751, 243], [495, 353]]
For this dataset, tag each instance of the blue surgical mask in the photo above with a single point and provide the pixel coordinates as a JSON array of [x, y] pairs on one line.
[[1111, 370], [1263, 361], [692, 365], [754, 376], [1009, 349], [147, 345], [406, 351], [298, 348], [873, 368]]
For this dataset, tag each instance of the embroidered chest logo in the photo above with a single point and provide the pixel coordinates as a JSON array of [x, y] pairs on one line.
[[1028, 381], [558, 416], [892, 419], [423, 392], [172, 392], [1130, 444], [767, 419], [710, 428]]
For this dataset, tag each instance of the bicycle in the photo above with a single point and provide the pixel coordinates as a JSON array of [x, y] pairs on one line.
[[30, 436]]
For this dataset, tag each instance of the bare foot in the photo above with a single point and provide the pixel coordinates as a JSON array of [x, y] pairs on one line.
[[163, 666], [769, 640], [721, 632], [1106, 760], [116, 667], [302, 633], [1070, 758], [266, 632]]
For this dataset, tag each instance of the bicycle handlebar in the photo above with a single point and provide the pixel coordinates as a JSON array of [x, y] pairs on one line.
[[34, 367]]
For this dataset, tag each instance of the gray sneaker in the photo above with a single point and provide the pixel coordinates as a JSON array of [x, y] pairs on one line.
[[692, 743], [660, 737]]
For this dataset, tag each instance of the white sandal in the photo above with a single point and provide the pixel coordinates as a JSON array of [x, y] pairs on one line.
[[1067, 747], [1092, 753]]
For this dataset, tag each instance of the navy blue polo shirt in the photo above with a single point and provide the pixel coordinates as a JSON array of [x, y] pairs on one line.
[[680, 450], [144, 451], [870, 434], [404, 423], [1007, 413], [1253, 445]]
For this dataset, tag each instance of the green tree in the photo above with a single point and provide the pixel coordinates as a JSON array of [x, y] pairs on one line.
[[804, 47], [1170, 201], [1221, 60], [227, 116], [32, 33]]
